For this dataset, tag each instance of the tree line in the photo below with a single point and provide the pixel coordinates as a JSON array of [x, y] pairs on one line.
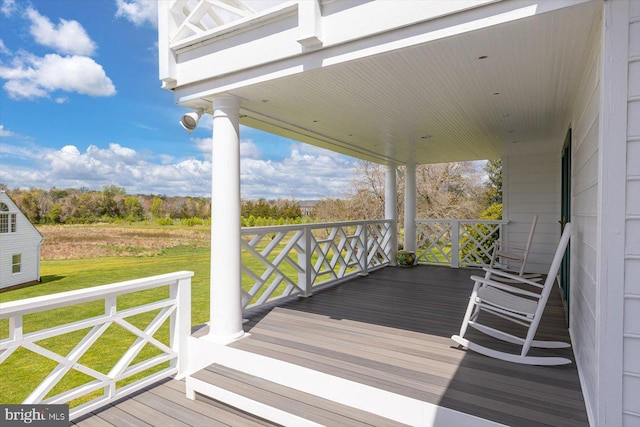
[[112, 204], [445, 190]]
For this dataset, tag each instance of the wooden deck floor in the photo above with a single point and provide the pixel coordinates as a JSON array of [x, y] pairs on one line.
[[165, 405], [390, 330]]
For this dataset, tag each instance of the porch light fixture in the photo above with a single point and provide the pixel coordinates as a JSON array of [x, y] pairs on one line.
[[189, 121]]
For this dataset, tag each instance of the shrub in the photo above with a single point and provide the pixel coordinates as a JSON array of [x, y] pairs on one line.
[[164, 221], [190, 222]]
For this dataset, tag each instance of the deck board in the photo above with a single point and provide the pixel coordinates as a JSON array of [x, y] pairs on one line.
[[392, 330], [309, 407], [389, 330], [165, 404]]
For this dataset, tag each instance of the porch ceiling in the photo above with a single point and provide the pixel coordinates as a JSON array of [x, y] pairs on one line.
[[437, 101]]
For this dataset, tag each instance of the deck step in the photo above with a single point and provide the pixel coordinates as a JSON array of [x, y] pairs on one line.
[[278, 403]]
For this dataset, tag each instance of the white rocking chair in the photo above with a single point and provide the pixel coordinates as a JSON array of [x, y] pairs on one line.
[[518, 305], [503, 253]]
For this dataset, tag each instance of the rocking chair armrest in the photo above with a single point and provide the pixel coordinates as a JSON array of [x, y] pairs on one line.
[[504, 287], [514, 277]]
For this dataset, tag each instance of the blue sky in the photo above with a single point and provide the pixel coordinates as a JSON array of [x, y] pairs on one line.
[[81, 106]]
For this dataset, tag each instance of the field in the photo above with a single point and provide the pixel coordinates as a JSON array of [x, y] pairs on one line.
[[75, 257]]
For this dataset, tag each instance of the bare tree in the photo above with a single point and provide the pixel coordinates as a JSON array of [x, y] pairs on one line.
[[449, 190]]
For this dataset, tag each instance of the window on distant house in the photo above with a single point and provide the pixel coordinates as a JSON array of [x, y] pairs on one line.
[[7, 220], [16, 263]]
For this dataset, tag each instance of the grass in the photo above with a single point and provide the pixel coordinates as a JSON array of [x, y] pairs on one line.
[[78, 257]]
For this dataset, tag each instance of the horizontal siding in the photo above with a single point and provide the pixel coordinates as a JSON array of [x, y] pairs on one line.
[[26, 242], [631, 343], [633, 154], [584, 206], [631, 275], [533, 185]]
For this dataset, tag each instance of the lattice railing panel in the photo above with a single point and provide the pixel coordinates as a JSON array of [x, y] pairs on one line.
[[378, 244], [477, 241], [76, 330], [459, 243], [271, 270], [434, 241], [336, 254], [195, 17], [284, 261]]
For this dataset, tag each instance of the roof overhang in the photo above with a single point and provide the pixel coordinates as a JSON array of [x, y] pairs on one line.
[[458, 87]]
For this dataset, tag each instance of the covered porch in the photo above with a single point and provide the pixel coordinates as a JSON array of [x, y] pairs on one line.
[[399, 84], [374, 350]]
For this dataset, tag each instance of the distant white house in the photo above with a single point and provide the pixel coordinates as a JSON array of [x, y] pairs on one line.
[[19, 246]]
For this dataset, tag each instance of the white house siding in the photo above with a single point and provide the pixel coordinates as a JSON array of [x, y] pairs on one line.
[[605, 292], [631, 340], [25, 241], [584, 206], [531, 185]]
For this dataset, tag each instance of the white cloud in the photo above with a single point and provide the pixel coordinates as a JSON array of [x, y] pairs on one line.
[[305, 174], [61, 100], [308, 173], [138, 11], [67, 37], [204, 146], [30, 76], [3, 49], [249, 150], [4, 132], [8, 7]]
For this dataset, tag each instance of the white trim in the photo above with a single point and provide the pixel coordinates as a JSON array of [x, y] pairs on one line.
[[254, 407], [583, 385], [410, 207], [391, 210], [360, 396], [611, 227]]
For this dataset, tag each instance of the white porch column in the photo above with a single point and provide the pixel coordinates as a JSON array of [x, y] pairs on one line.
[[410, 208], [391, 210], [226, 306]]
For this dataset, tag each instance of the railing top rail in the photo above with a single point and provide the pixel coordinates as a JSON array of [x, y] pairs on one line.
[[293, 227], [475, 221], [61, 299]]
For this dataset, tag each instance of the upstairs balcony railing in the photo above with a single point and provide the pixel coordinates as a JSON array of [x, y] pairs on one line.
[[192, 18]]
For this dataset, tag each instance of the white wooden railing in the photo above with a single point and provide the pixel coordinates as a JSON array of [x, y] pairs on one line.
[[457, 242], [189, 18], [171, 360], [293, 259]]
